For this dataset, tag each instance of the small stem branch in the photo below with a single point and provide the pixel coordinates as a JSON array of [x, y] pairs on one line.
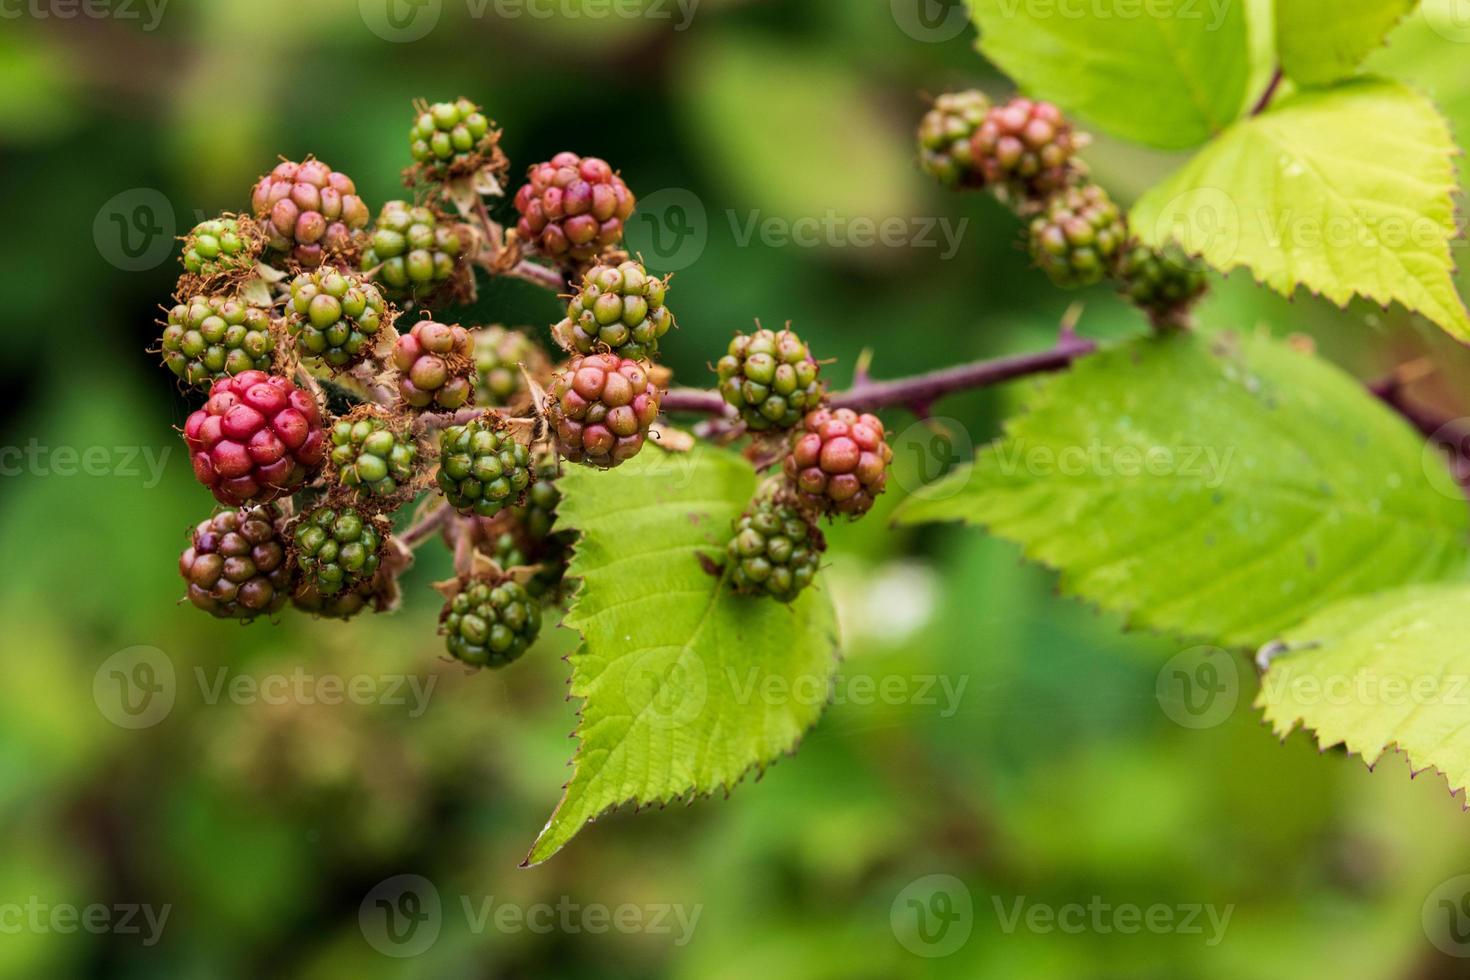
[[695, 401], [427, 526], [1270, 93]]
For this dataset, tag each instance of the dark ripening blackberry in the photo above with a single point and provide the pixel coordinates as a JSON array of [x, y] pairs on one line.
[[1077, 240], [337, 548], [619, 308], [489, 623], [771, 378], [838, 462], [436, 366], [482, 468], [236, 565], [1026, 151], [600, 407], [776, 551], [212, 337], [945, 149]]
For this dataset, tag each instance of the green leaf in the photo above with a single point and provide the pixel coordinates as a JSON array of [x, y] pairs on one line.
[[685, 686], [1346, 191], [1321, 41], [1169, 73], [1222, 489], [1377, 672]]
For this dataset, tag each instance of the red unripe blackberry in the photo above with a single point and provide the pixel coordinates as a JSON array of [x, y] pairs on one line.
[[1025, 151], [309, 211], [257, 438], [236, 565], [838, 461], [572, 207], [601, 407], [436, 366]]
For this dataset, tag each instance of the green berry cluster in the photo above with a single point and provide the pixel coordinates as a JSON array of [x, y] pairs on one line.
[[502, 360], [370, 456], [482, 468], [945, 149], [221, 245], [776, 551], [212, 337], [1079, 236], [619, 309], [770, 378], [447, 133], [337, 548], [412, 252], [335, 317], [1164, 284], [490, 623]]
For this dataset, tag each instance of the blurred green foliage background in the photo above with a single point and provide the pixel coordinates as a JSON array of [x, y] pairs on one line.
[[1057, 775]]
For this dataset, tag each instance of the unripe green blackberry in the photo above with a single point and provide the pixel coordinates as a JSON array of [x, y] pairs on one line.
[[343, 605], [482, 468], [338, 548], [1078, 238], [446, 136], [489, 623], [435, 362], [1025, 151], [335, 317], [542, 499], [414, 253], [309, 212], [213, 337], [945, 149], [838, 461], [771, 378], [500, 355], [572, 208], [620, 309], [523, 535], [236, 565], [1164, 284], [600, 407], [776, 550], [223, 245], [369, 455]]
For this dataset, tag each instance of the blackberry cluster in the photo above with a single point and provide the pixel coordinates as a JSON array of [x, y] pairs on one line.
[[337, 548], [335, 317], [945, 138], [1025, 151], [371, 456], [776, 551], [482, 468], [221, 246], [309, 211], [435, 363], [212, 337], [770, 378], [1164, 284], [503, 358], [259, 437], [601, 407], [1078, 238], [838, 461], [236, 565], [451, 137], [490, 623], [572, 208], [413, 253], [619, 309]]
